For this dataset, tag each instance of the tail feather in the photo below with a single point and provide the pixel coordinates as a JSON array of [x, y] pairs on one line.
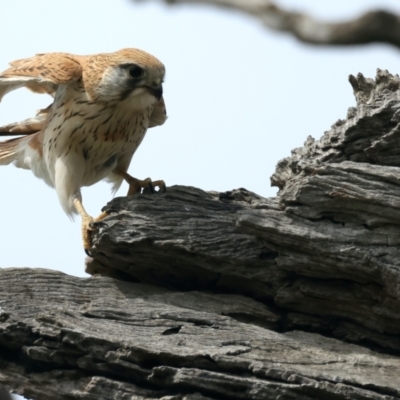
[[115, 180], [26, 152]]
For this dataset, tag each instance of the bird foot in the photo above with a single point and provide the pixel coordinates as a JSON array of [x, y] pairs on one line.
[[89, 225], [87, 229], [145, 186]]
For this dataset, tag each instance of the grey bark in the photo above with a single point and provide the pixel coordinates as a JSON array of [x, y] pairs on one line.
[[198, 295], [378, 26]]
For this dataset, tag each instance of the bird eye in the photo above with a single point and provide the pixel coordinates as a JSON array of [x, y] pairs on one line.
[[135, 71]]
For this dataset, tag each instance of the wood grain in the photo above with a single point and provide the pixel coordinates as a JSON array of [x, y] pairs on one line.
[[204, 295]]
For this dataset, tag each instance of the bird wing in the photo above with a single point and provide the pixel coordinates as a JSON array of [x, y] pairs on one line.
[[41, 73], [159, 114], [27, 126]]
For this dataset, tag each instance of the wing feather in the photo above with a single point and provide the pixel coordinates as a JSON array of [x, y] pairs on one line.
[[27, 126], [41, 73]]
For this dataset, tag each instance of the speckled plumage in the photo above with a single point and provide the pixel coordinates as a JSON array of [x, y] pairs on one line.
[[103, 105]]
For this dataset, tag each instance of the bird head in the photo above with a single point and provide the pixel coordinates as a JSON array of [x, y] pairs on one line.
[[127, 75]]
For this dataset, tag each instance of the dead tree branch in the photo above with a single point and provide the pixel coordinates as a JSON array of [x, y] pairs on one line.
[[378, 26]]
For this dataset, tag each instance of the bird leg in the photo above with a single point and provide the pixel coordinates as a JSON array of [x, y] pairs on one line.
[[88, 224], [136, 185]]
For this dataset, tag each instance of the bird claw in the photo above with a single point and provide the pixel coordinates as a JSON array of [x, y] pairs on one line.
[[147, 186], [87, 229], [149, 189], [162, 188], [90, 225]]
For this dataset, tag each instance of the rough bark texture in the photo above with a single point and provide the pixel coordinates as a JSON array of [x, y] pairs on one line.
[[199, 295], [377, 26]]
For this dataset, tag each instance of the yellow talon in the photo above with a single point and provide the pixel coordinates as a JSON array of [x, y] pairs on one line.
[[88, 225]]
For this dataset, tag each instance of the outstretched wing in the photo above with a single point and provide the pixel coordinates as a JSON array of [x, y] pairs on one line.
[[159, 114], [41, 73], [27, 126]]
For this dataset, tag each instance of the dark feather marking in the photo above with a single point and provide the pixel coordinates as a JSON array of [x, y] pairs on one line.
[[91, 117], [105, 108], [76, 128], [76, 113], [107, 134], [104, 122], [69, 149]]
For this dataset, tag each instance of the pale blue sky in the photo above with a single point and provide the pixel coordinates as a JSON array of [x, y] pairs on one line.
[[239, 98]]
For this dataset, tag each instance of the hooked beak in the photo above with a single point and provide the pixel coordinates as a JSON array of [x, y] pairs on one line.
[[156, 91]]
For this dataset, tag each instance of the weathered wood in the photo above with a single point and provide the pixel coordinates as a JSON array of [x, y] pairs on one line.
[[99, 338], [230, 295]]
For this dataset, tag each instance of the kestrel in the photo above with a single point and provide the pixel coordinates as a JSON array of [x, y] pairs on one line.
[[102, 107]]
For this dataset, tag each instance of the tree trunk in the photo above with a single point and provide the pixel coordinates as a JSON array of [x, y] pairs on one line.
[[199, 295]]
